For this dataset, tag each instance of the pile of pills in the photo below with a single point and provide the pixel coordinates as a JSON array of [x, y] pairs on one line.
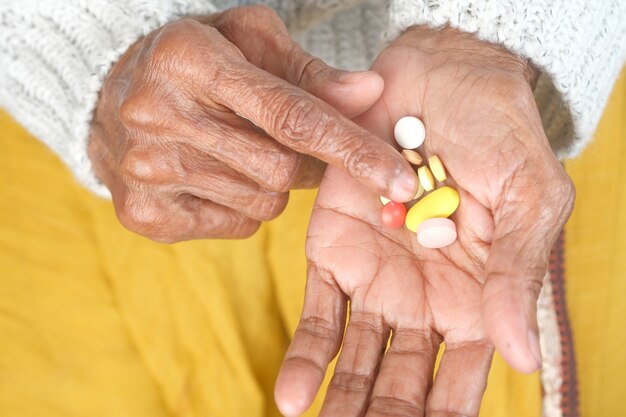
[[433, 203]]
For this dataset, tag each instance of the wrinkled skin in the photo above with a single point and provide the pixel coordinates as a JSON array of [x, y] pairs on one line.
[[204, 126], [481, 119]]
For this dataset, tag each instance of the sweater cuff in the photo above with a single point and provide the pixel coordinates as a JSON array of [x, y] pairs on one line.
[[580, 47], [55, 55]]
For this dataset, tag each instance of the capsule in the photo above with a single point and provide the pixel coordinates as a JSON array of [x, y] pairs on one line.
[[442, 202]]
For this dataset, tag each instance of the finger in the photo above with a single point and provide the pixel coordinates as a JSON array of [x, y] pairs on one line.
[[230, 189], [247, 149], [303, 122], [308, 125], [351, 385], [212, 220], [351, 93], [294, 117], [405, 375], [461, 380], [315, 343], [181, 169], [169, 218], [527, 223]]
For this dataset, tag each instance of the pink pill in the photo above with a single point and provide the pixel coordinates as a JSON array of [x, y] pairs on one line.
[[436, 233]]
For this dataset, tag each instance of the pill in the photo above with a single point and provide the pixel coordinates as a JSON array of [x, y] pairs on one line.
[[436, 233], [442, 202], [420, 191], [409, 132], [393, 214], [436, 167], [384, 200], [412, 156], [426, 178]]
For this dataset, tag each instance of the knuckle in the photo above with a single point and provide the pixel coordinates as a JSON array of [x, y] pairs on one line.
[[381, 405], [136, 165], [352, 382], [510, 91], [366, 322], [302, 121], [307, 67], [139, 111], [520, 95], [173, 38], [318, 327], [139, 215], [182, 49], [360, 162]]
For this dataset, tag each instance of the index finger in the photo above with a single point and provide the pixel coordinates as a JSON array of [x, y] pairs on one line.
[[309, 125]]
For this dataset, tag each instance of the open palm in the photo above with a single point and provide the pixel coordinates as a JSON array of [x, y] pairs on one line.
[[479, 292]]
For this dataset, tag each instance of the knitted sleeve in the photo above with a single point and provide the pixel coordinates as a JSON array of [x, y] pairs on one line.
[[579, 45], [54, 56]]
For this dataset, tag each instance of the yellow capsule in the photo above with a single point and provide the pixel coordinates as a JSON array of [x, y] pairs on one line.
[[440, 203]]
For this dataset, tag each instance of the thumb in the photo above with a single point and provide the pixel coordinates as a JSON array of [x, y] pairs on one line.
[[351, 93], [526, 228], [264, 40]]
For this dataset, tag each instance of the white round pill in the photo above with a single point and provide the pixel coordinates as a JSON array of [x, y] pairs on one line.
[[409, 132]]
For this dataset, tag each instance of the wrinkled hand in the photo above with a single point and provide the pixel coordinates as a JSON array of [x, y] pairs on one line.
[[481, 119], [204, 125]]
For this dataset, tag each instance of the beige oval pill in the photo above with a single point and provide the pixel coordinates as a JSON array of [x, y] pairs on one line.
[[426, 178], [384, 200], [436, 233], [436, 167], [412, 156]]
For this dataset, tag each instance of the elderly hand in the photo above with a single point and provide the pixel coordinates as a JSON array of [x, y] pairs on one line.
[[481, 119], [204, 125]]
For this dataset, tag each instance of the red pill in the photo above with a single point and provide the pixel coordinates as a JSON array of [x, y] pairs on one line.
[[393, 214]]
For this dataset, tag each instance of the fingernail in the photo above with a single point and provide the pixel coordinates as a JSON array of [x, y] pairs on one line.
[[403, 187], [350, 77], [535, 348]]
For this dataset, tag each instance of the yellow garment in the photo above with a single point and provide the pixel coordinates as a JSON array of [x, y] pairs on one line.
[[96, 321], [596, 264]]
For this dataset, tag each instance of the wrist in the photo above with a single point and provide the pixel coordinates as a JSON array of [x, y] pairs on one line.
[[449, 45]]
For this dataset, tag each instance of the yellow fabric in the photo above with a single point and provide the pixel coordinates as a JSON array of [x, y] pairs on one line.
[[596, 263], [97, 321]]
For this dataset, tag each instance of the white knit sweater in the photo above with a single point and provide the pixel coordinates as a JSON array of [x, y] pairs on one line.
[[54, 54]]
